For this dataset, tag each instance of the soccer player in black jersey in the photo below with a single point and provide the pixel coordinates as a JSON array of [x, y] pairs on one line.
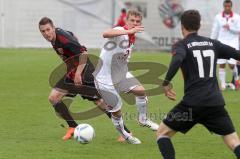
[[203, 102], [78, 79]]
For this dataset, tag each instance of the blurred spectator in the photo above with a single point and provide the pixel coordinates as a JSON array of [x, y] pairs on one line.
[[226, 28], [122, 17]]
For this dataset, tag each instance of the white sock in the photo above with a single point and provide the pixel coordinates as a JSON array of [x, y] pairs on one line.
[[235, 73], [118, 123], [141, 102], [222, 75]]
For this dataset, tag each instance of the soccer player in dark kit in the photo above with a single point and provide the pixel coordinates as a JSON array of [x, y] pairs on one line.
[[196, 56], [78, 79]]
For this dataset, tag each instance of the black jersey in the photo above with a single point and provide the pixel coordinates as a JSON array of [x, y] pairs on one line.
[[66, 44], [69, 49], [197, 56]]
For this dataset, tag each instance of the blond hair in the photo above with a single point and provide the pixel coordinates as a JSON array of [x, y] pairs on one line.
[[134, 13]]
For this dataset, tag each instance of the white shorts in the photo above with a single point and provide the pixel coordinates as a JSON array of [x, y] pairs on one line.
[[110, 93], [224, 61]]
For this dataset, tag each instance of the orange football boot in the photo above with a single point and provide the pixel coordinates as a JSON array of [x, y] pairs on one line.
[[121, 138], [69, 134], [237, 85]]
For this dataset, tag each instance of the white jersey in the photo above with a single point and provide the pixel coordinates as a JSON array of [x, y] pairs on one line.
[[228, 37], [112, 66]]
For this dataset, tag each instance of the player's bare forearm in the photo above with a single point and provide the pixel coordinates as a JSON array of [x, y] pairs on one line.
[[169, 92], [82, 62], [110, 33], [80, 68]]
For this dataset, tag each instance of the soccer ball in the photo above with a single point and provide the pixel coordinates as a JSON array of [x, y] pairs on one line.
[[84, 133]]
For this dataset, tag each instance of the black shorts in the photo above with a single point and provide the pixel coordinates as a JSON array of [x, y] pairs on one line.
[[216, 119], [87, 90]]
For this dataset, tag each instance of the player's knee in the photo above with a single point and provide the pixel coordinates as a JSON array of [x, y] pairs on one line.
[[222, 65], [161, 132], [233, 144], [231, 67], [164, 131], [98, 102], [101, 104], [232, 140], [53, 98], [139, 91]]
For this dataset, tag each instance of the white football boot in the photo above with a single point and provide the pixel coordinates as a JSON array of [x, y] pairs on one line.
[[231, 86], [150, 124], [223, 86], [133, 140]]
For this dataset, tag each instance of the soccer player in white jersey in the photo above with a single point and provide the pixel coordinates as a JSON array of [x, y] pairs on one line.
[[226, 28], [112, 76]]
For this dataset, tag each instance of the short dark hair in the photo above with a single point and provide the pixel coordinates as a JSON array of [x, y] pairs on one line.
[[45, 20], [123, 10], [227, 1], [190, 19]]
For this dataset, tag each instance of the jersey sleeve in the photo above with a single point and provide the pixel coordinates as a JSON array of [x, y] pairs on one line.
[[215, 29], [227, 52], [70, 43], [71, 33], [118, 28], [179, 54], [117, 38], [75, 48]]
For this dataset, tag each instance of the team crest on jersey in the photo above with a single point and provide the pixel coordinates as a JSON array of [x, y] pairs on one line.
[[173, 53], [60, 52]]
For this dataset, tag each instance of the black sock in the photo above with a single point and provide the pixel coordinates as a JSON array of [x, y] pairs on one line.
[[62, 110], [237, 151], [110, 116], [233, 81], [126, 129], [166, 148], [238, 66]]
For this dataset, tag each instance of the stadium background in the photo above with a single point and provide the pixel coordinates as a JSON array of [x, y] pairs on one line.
[[88, 18], [29, 127]]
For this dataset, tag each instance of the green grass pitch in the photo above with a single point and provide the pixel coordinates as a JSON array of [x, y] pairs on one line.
[[30, 128]]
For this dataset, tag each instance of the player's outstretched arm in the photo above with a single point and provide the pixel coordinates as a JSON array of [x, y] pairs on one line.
[[227, 52], [179, 54], [173, 68], [110, 33]]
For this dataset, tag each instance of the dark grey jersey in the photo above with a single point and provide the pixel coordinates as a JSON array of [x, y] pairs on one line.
[[197, 57]]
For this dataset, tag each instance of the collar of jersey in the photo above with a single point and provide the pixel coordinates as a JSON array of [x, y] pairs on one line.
[[192, 34], [224, 14]]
